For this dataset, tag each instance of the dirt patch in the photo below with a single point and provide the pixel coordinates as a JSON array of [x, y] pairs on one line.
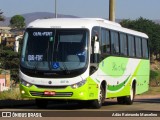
[[147, 96]]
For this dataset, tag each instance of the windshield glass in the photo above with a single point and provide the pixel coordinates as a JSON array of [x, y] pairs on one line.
[[55, 49]]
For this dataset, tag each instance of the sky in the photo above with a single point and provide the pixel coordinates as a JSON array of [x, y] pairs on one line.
[[125, 9]]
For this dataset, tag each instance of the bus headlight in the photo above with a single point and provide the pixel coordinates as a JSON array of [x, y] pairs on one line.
[[79, 84], [26, 83]]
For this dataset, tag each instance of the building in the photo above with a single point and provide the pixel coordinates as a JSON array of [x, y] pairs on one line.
[[5, 80], [2, 83], [10, 41], [4, 33]]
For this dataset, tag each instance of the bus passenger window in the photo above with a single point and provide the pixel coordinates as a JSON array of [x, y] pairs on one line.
[[123, 44], [114, 43], [138, 47], [131, 46], [105, 42], [145, 48]]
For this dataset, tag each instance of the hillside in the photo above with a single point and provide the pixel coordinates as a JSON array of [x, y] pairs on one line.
[[40, 15], [36, 15]]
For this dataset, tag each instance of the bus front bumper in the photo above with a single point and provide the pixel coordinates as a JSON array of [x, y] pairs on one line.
[[85, 92]]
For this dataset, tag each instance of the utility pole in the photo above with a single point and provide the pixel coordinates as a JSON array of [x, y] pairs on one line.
[[112, 10], [55, 9]]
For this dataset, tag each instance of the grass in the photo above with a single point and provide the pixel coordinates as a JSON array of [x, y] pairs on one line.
[[153, 91], [12, 94]]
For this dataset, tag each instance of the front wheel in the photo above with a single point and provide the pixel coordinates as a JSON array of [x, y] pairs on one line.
[[101, 98]]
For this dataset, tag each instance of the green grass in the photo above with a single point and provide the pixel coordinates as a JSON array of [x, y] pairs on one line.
[[12, 94]]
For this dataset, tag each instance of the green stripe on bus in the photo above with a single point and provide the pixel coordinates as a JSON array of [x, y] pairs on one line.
[[117, 87]]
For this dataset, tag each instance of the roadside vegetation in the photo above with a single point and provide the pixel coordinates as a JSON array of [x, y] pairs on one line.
[[153, 91], [12, 94]]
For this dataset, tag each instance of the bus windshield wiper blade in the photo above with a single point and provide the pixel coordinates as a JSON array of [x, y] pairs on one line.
[[65, 68]]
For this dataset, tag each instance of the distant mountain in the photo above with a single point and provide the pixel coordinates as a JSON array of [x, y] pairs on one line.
[[29, 17], [36, 15], [157, 21]]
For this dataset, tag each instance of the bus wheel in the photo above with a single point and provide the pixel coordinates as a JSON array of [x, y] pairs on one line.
[[98, 103], [41, 103], [121, 100], [129, 99]]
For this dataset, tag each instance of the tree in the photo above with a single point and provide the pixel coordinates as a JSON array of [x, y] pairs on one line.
[[17, 22], [1, 16], [150, 28], [10, 61]]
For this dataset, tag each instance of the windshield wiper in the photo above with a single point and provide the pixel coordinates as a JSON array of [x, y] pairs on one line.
[[65, 68]]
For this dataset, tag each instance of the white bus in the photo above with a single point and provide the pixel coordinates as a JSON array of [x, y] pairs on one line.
[[83, 59]]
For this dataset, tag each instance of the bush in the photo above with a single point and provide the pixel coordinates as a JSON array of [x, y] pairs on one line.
[[153, 75], [12, 94]]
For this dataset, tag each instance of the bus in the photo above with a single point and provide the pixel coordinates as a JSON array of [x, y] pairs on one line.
[[86, 60]]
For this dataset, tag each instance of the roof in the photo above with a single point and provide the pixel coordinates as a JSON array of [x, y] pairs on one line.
[[62, 23], [81, 23]]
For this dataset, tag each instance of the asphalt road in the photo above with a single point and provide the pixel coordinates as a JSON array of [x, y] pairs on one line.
[[142, 104], [146, 103]]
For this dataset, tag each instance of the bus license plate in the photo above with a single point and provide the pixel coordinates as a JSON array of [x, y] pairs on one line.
[[50, 93]]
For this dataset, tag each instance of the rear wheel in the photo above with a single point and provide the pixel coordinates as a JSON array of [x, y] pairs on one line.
[[127, 99], [41, 103], [98, 103], [121, 100]]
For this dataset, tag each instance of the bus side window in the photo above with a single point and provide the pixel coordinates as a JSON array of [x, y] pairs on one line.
[[138, 47], [145, 48], [123, 44], [131, 46], [114, 43], [105, 42]]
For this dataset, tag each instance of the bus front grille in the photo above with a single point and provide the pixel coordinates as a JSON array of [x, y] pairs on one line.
[[57, 94], [50, 87]]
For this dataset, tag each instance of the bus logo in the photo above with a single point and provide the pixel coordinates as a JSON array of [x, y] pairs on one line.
[[50, 82]]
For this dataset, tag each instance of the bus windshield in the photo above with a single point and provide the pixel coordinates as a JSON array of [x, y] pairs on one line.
[[55, 49]]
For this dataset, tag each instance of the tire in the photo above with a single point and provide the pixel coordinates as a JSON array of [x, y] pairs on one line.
[[101, 98], [129, 99], [41, 103], [121, 100]]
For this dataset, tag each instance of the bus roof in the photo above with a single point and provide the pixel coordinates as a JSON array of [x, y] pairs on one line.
[[82, 23]]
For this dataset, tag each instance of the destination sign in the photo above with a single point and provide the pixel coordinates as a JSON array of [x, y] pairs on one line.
[[35, 57], [41, 34]]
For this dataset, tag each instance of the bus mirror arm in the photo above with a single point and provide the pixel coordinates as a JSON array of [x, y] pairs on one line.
[[95, 48], [95, 44], [93, 68]]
